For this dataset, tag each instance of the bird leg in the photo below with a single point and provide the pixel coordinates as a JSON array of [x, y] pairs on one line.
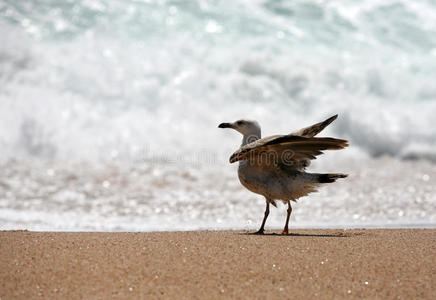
[[289, 211], [260, 231]]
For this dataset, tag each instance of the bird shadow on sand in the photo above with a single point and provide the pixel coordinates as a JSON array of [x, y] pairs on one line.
[[273, 234]]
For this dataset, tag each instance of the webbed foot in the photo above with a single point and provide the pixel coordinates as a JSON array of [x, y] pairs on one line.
[[259, 232]]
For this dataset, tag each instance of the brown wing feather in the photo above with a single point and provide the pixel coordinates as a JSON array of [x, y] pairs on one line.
[[314, 129], [288, 147]]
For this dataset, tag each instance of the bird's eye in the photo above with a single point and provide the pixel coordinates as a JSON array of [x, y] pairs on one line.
[[239, 123]]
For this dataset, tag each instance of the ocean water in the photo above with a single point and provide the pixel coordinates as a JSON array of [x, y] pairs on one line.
[[109, 110]]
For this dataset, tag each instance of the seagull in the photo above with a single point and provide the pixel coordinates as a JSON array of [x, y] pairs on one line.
[[274, 166]]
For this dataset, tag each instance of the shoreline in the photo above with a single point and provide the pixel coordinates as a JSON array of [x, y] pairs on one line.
[[327, 263]]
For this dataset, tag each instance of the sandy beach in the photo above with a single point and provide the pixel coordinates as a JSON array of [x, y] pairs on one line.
[[327, 264]]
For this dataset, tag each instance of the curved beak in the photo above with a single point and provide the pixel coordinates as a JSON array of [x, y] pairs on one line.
[[225, 125]]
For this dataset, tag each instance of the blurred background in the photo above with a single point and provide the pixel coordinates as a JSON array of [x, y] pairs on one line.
[[109, 110]]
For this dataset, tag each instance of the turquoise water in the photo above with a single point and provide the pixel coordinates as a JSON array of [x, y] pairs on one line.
[[123, 67], [143, 84]]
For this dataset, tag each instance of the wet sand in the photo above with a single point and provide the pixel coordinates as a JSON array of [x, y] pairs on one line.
[[326, 264]]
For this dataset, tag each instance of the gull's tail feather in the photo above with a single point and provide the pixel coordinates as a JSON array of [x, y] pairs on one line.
[[327, 178]]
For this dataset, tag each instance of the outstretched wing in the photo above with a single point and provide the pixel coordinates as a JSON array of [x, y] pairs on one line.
[[287, 148], [313, 130]]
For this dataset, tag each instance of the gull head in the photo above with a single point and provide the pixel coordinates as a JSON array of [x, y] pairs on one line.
[[246, 128]]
